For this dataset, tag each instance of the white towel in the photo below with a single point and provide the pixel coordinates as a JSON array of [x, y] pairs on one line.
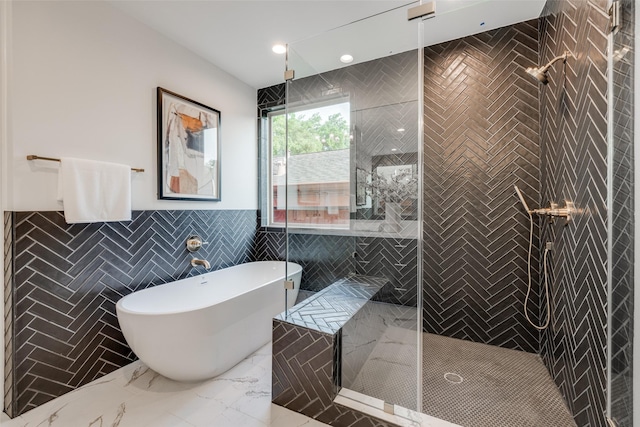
[[94, 191]]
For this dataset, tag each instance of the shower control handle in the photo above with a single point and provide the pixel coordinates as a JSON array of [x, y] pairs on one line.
[[194, 243], [555, 212]]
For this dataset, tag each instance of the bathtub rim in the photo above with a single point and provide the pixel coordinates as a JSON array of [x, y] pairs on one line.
[[120, 308]]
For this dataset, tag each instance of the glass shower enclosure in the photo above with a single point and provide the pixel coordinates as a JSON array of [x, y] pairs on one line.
[[346, 169]]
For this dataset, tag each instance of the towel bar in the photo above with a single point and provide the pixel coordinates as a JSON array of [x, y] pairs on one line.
[[34, 157]]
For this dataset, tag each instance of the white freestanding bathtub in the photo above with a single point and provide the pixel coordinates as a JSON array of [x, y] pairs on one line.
[[199, 327]]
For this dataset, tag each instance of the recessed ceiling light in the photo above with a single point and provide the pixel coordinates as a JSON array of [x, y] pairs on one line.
[[394, 149], [346, 58], [279, 49], [401, 130]]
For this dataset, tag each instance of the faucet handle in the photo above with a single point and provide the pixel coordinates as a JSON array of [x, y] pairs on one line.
[[194, 243]]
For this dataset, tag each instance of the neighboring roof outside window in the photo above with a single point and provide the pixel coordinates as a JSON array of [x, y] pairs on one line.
[[315, 168]]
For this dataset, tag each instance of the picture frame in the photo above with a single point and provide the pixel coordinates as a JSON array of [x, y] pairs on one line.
[[188, 149]]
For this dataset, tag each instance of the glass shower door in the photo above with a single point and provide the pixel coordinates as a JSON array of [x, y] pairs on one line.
[[352, 194], [316, 189]]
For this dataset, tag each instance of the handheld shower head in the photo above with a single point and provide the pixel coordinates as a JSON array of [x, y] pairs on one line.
[[524, 202]]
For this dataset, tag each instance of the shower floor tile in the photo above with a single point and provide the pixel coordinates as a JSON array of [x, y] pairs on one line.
[[389, 373], [499, 387]]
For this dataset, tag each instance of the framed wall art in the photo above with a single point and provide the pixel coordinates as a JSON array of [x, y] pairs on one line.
[[188, 149]]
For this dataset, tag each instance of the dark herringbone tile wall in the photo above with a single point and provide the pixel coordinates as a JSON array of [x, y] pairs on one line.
[[481, 138], [373, 84], [573, 134], [324, 259], [394, 259], [67, 279], [622, 240], [8, 314]]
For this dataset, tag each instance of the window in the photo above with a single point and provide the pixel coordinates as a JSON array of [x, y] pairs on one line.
[[316, 168]]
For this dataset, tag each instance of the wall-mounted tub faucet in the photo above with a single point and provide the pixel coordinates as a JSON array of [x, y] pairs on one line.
[[203, 262]]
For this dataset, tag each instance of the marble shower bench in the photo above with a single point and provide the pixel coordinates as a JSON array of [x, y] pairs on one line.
[[307, 351]]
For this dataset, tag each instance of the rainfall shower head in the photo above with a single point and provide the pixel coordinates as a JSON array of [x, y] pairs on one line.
[[524, 203], [540, 73]]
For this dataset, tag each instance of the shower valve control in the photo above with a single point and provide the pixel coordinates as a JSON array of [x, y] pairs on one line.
[[553, 211]]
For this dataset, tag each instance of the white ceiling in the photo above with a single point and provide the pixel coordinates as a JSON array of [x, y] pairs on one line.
[[237, 36]]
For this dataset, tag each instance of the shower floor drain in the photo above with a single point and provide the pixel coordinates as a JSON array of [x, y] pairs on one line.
[[453, 378]]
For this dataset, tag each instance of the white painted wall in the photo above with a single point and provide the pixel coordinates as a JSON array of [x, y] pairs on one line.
[[84, 77]]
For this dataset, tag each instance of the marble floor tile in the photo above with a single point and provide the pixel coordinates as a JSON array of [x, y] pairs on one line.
[[136, 396]]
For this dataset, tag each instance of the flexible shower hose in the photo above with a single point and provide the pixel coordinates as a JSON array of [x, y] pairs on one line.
[[546, 282]]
